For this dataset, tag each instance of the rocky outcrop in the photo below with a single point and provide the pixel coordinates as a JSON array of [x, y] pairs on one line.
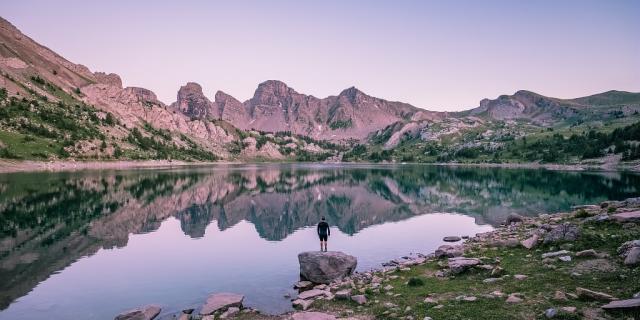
[[325, 267], [221, 302], [143, 313], [192, 102]]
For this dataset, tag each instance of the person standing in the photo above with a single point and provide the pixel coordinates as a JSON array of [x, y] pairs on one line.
[[323, 232]]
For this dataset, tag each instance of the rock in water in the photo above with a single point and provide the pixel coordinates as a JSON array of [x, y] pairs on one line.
[[325, 267], [221, 301], [452, 239], [142, 313]]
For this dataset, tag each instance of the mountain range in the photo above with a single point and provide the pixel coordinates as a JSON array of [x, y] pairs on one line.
[[276, 123]]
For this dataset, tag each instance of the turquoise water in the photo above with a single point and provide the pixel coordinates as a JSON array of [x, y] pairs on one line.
[[88, 245]]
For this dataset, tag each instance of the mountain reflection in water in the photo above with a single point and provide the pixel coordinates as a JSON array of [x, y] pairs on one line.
[[50, 220]]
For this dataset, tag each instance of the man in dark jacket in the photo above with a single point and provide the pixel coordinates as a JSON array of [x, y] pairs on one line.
[[323, 232]]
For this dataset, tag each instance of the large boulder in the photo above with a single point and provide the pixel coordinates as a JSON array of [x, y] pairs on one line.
[[633, 216], [220, 302], [460, 264], [325, 267], [312, 316], [142, 313], [562, 233]]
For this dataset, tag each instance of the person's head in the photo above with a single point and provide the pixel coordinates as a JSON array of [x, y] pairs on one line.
[[322, 218]]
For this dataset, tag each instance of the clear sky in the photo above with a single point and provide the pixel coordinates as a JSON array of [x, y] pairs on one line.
[[438, 55]]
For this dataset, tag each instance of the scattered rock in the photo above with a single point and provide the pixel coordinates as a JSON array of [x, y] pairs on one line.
[[429, 300], [230, 312], [513, 218], [626, 247], [633, 257], [497, 271], [452, 239], [520, 277], [562, 233], [325, 267], [586, 253], [303, 285], [550, 313], [143, 313], [343, 294], [302, 304], [568, 309], [304, 295], [460, 264], [594, 265], [555, 254], [560, 296], [359, 299], [514, 298], [312, 316], [633, 216], [530, 242], [565, 258], [623, 305], [221, 301], [448, 251], [491, 280], [587, 294]]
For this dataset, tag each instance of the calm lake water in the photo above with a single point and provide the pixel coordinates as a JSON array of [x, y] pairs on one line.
[[88, 245]]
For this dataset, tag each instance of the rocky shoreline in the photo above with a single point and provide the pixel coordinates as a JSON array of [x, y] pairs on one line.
[[10, 166], [581, 264]]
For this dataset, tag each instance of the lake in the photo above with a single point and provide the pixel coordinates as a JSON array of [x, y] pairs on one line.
[[88, 245]]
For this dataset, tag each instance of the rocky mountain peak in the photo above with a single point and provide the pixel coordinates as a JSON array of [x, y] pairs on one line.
[[111, 79], [271, 92], [353, 94], [192, 102]]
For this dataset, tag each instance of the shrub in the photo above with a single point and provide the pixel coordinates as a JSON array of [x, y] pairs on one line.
[[582, 213], [415, 282], [611, 210]]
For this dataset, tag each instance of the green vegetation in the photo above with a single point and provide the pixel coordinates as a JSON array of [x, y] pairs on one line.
[[341, 124], [536, 291]]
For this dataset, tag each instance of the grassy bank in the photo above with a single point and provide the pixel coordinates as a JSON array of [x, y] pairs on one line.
[[540, 284]]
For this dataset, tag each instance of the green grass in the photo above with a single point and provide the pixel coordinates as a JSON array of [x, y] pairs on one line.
[[538, 289], [26, 146]]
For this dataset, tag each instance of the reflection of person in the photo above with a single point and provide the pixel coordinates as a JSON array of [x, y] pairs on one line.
[[323, 232]]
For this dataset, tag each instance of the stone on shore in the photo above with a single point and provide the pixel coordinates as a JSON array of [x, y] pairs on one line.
[[311, 294], [460, 264], [449, 251], [303, 285], [230, 312], [143, 313], [452, 239], [633, 257], [513, 218], [623, 305], [586, 253], [220, 302], [359, 299], [587, 294], [302, 304], [562, 233], [555, 254], [325, 267], [530, 242], [312, 316], [343, 294], [633, 216]]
